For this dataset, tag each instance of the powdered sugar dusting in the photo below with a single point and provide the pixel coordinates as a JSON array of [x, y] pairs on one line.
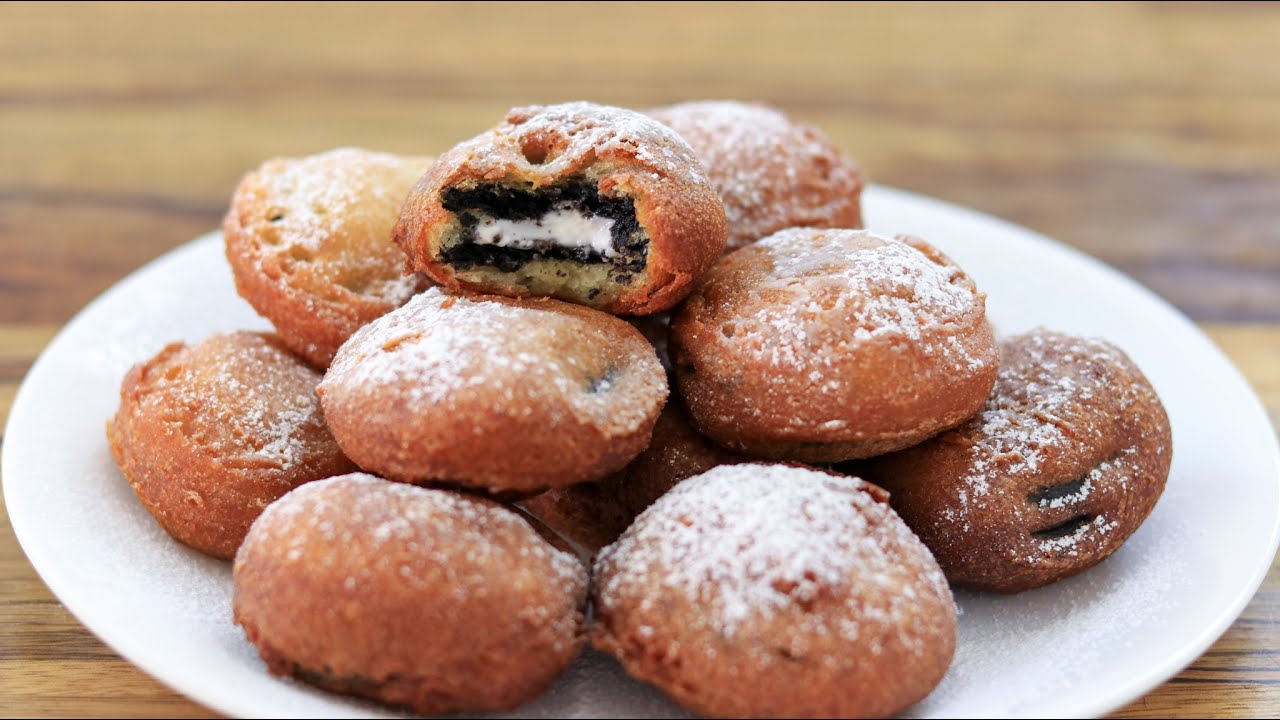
[[1055, 640], [771, 172], [587, 130], [249, 403], [444, 350], [376, 513], [283, 447], [304, 191], [825, 292], [1067, 543], [747, 542], [1115, 467], [1035, 412], [339, 207]]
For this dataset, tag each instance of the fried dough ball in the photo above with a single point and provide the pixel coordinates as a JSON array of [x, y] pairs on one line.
[[592, 204], [776, 591], [1063, 463], [309, 242], [819, 345], [504, 395], [210, 434], [771, 172], [428, 599]]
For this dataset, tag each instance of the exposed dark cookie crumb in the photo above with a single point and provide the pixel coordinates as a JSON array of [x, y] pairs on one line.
[[512, 203], [1064, 528], [604, 382], [1055, 492]]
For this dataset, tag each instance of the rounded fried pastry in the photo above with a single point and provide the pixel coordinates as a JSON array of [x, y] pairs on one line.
[[592, 204], [775, 591], [309, 242], [825, 345], [506, 395], [423, 598], [1064, 462], [772, 172], [210, 434]]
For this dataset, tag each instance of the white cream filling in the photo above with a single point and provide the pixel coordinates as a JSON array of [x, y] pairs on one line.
[[565, 228]]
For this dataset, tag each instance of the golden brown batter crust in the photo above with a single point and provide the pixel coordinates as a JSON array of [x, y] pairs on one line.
[[595, 514], [209, 435], [429, 599], [821, 345], [494, 393], [771, 172], [625, 155], [588, 514], [1064, 462], [309, 241], [677, 452], [775, 591]]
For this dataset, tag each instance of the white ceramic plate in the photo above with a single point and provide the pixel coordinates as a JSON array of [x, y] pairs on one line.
[[1081, 647]]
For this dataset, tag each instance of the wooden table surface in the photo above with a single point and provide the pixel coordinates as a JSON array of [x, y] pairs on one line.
[[1145, 134]]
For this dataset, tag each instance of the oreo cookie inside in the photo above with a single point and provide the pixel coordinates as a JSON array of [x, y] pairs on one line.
[[506, 227]]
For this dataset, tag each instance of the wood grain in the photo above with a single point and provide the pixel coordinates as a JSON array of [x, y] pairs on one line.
[[1142, 133]]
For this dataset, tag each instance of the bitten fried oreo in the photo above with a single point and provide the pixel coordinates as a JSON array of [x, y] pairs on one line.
[[823, 345], [309, 241], [428, 599], [1064, 462], [209, 435], [775, 591], [771, 172], [502, 394], [592, 204]]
